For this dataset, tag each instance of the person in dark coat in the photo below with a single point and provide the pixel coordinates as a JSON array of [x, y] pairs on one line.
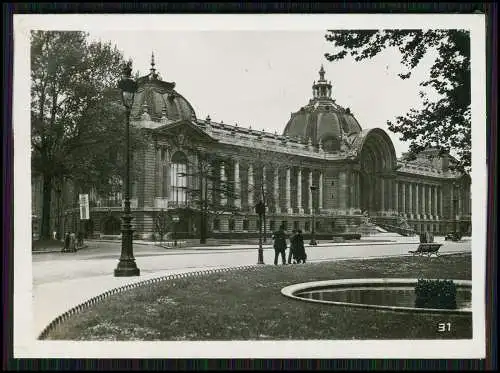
[[293, 247], [300, 251], [66, 242], [279, 238], [72, 242], [79, 239]]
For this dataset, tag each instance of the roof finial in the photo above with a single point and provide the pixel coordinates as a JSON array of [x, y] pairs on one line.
[[322, 73], [153, 70]]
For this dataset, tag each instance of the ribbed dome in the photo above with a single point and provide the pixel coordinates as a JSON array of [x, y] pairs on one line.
[[322, 120], [156, 99]]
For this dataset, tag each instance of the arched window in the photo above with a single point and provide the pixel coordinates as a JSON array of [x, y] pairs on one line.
[[178, 178]]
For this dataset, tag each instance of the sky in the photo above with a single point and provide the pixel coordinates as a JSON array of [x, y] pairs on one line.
[[258, 78]]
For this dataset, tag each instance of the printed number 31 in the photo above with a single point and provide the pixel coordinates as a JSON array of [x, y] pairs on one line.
[[444, 327]]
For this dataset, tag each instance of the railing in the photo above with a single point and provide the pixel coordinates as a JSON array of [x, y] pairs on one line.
[[103, 204], [165, 203]]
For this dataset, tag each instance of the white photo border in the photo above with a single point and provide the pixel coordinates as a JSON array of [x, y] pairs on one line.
[[25, 343]]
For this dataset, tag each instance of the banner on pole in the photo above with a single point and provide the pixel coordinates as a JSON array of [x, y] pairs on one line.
[[84, 207]]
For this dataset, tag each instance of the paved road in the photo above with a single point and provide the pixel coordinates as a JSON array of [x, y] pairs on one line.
[[61, 281]]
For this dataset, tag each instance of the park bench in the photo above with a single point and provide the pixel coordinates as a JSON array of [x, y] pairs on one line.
[[453, 236], [427, 248]]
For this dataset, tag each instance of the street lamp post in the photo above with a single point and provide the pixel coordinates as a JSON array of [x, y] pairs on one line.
[[313, 230], [127, 266], [175, 219], [260, 209]]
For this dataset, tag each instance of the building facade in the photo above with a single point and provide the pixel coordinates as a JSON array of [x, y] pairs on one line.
[[191, 165]]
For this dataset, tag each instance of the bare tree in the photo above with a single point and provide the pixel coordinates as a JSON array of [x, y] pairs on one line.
[[210, 194], [161, 224]]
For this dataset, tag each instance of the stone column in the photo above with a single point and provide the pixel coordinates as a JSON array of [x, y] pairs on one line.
[[310, 199], [382, 194], [441, 201], [264, 186], [390, 195], [460, 204], [276, 191], [250, 187], [403, 197], [425, 204], [299, 191], [396, 196], [354, 189], [320, 186], [452, 210], [410, 199], [237, 185], [287, 192], [434, 195], [417, 205], [424, 200], [342, 191], [429, 201], [223, 199]]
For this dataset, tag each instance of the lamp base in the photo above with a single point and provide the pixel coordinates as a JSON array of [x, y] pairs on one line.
[[260, 259], [127, 268]]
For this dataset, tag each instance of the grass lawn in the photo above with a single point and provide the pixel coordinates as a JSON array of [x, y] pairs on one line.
[[248, 305]]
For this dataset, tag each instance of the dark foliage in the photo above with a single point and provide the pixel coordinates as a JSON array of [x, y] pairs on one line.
[[443, 123], [438, 294]]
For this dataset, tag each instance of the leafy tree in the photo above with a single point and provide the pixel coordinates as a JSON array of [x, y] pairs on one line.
[[443, 122], [76, 116]]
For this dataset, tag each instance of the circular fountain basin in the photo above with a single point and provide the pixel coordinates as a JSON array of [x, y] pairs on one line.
[[385, 294]]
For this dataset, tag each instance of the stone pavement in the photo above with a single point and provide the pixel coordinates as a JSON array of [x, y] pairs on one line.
[[62, 281]]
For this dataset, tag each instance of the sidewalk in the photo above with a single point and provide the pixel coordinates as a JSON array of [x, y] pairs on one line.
[[71, 293]]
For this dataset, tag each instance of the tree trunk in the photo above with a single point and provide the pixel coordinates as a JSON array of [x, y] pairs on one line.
[[46, 205], [264, 215], [203, 230]]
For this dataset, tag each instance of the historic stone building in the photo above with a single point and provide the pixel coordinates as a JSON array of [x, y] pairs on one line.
[[353, 171]]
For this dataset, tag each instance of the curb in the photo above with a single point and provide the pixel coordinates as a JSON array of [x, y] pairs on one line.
[[92, 301]]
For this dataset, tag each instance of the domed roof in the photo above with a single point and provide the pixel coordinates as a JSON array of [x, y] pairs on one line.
[[322, 120], [157, 100]]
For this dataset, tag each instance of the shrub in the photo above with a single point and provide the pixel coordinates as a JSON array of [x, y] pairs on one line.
[[439, 294]]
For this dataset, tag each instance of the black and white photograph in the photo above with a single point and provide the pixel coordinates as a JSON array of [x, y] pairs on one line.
[[288, 186]]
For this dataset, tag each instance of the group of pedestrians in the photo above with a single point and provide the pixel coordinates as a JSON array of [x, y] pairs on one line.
[[297, 251], [72, 242]]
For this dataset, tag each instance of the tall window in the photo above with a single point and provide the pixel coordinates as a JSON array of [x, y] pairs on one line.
[[272, 225], [178, 177]]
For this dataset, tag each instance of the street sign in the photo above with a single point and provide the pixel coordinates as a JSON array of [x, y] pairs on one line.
[[84, 207]]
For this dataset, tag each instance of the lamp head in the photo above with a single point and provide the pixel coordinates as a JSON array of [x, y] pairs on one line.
[[127, 85]]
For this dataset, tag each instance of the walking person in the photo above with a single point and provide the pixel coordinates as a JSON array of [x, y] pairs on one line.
[[279, 245], [66, 242], [72, 242], [292, 254], [300, 251]]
